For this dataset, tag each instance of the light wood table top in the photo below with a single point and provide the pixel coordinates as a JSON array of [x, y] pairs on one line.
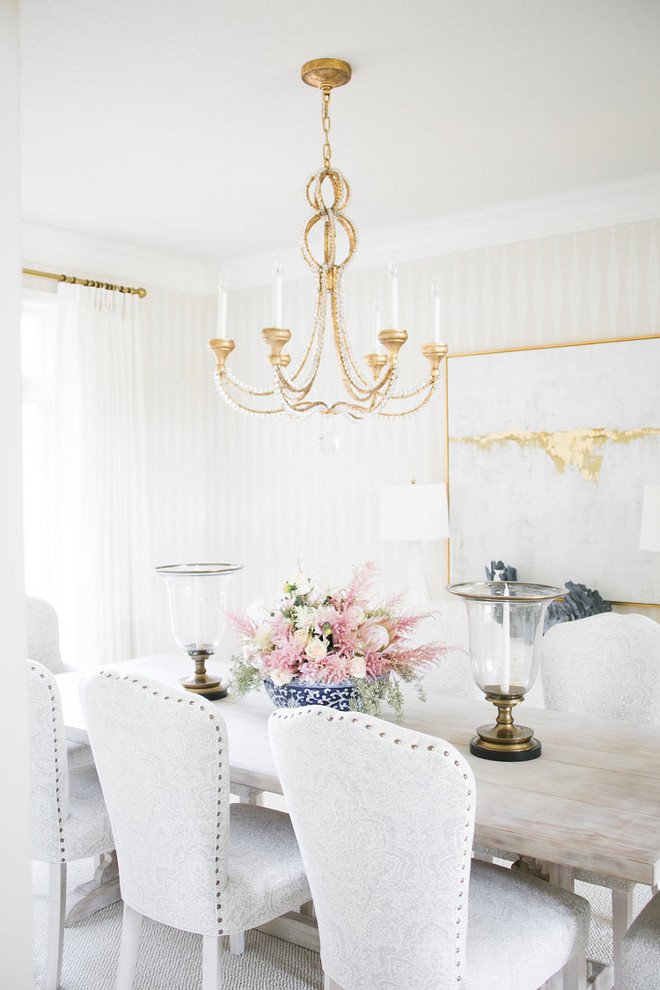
[[592, 800]]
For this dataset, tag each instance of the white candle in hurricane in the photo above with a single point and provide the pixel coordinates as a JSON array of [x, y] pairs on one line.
[[505, 674], [221, 328], [393, 279], [197, 605], [276, 315]]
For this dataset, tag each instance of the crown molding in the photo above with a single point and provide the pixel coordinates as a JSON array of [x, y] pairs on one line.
[[629, 201]]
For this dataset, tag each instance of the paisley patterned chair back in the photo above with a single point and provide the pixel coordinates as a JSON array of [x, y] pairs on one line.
[[163, 759], [447, 625], [385, 818], [69, 817], [606, 666], [43, 634]]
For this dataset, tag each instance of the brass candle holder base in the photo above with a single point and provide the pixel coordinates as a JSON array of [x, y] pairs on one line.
[[202, 683], [505, 741]]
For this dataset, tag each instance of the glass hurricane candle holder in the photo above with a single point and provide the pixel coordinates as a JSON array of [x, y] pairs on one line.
[[505, 622], [198, 597]]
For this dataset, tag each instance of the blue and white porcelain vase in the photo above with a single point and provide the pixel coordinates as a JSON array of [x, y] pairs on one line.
[[297, 694]]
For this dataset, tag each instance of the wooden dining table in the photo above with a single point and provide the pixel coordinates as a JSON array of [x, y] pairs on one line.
[[590, 801]]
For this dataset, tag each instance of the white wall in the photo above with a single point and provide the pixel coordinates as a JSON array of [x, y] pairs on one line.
[[284, 500], [15, 899], [223, 486]]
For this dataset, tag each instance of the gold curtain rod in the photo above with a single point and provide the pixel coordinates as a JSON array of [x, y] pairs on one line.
[[87, 281]]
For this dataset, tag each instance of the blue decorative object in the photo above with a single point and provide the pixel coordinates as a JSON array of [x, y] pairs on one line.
[[577, 604], [499, 571], [297, 694]]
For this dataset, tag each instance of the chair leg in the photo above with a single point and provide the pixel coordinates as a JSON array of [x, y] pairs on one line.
[[56, 915], [237, 943], [130, 943], [622, 910], [212, 962]]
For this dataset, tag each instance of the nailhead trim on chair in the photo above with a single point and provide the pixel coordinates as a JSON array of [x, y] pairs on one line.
[[296, 713], [220, 741], [57, 742]]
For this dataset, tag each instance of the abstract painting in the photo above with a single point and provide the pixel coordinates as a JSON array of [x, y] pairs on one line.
[[548, 451]]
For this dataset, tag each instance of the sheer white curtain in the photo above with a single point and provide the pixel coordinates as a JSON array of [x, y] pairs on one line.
[[93, 511], [128, 479]]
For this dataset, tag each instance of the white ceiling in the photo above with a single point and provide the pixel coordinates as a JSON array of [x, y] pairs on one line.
[[182, 126]]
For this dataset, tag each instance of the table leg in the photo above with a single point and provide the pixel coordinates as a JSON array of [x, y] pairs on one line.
[[245, 794], [598, 976], [294, 927], [99, 892]]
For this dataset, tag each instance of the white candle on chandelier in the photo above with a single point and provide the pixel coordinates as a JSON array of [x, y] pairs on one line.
[[435, 292], [221, 327], [376, 326], [276, 314], [505, 675], [393, 280]]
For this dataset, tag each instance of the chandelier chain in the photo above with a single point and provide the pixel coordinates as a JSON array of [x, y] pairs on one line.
[[325, 120]]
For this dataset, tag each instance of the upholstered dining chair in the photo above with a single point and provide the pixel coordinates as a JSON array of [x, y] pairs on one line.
[[187, 858], [640, 950], [42, 631], [606, 666], [69, 817], [384, 818], [447, 624]]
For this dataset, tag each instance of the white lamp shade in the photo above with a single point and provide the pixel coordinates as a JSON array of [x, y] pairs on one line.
[[649, 536], [413, 513]]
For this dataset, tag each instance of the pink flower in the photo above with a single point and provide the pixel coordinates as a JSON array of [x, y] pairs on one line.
[[374, 635]]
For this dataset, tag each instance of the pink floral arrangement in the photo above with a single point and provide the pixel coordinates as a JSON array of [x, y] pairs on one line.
[[320, 635]]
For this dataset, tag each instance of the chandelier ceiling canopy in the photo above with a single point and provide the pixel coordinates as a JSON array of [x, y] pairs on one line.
[[372, 392]]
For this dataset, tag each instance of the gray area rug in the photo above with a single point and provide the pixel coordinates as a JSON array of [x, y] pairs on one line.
[[169, 959], [172, 960]]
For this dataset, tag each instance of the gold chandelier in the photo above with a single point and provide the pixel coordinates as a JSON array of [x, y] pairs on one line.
[[367, 395]]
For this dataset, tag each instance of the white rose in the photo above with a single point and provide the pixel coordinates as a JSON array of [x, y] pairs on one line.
[[301, 639], [262, 638], [302, 583], [280, 677], [316, 649], [358, 667]]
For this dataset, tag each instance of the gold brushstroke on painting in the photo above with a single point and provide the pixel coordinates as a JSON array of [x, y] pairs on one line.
[[580, 448]]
